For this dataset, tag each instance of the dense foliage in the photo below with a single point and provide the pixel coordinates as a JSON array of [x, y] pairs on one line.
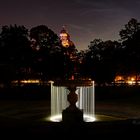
[[38, 53]]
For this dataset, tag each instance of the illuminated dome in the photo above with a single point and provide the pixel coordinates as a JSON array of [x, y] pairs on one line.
[[65, 38]]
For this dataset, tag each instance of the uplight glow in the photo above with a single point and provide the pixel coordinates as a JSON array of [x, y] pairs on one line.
[[58, 118]]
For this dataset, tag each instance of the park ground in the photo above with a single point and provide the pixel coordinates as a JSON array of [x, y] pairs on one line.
[[117, 116]]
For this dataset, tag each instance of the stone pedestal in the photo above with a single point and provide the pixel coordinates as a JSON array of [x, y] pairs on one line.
[[72, 113]]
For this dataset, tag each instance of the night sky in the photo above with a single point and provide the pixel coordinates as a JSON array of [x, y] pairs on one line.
[[85, 20]]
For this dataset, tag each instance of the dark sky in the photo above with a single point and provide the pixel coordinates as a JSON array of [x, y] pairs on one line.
[[85, 20]]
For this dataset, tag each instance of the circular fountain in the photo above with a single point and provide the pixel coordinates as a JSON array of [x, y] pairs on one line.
[[72, 100]]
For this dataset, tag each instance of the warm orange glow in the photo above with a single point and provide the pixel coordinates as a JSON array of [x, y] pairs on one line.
[[129, 80], [133, 78], [65, 43], [119, 78], [64, 39], [30, 81], [27, 81], [63, 35]]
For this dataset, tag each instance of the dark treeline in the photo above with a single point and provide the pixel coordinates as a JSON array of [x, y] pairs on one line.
[[38, 53], [104, 60]]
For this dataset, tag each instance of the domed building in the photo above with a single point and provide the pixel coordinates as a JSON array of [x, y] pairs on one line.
[[65, 38], [70, 53]]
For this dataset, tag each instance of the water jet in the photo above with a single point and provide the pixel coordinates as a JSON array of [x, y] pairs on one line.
[[72, 100]]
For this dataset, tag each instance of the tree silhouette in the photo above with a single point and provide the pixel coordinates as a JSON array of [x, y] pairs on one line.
[[48, 54], [130, 37], [15, 52], [101, 60], [130, 29]]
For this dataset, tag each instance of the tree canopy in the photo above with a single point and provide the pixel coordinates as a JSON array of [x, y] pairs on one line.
[[38, 53]]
